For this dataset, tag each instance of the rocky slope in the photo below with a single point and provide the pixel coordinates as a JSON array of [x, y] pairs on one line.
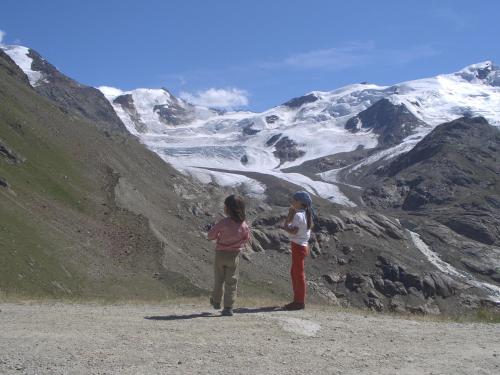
[[71, 96], [68, 226], [451, 178]]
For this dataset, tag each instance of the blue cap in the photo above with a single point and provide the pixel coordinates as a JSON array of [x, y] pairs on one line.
[[303, 197]]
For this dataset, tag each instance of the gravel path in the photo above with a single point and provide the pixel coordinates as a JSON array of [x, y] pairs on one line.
[[189, 339]]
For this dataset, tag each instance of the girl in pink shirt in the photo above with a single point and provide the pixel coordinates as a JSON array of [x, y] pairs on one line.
[[231, 234]]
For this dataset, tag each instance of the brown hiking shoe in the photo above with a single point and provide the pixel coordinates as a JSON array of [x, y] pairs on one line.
[[292, 306], [227, 311]]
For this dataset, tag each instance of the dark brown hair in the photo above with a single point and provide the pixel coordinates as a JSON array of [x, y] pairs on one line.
[[236, 208], [308, 215]]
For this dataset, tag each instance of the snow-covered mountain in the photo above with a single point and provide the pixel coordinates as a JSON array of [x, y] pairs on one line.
[[223, 147], [200, 140]]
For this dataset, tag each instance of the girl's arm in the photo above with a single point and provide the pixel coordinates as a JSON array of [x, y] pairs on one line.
[[288, 227], [213, 233], [291, 230], [289, 217]]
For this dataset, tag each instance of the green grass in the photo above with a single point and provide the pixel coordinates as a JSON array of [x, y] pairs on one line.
[[48, 170], [29, 261], [488, 316]]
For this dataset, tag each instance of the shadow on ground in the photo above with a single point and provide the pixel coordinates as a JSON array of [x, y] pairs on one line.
[[240, 310], [254, 310], [182, 317]]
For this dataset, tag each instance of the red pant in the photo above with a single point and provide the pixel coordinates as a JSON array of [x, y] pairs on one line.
[[297, 272]]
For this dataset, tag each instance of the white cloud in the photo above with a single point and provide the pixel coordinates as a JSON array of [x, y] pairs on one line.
[[228, 98], [336, 58], [2, 35], [353, 55]]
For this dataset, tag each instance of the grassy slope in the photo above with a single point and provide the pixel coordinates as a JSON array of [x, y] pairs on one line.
[[61, 232]]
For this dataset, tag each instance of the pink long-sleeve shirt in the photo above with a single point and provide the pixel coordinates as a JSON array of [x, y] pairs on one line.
[[230, 235]]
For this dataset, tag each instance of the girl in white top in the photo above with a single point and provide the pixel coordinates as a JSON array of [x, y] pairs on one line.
[[298, 224]]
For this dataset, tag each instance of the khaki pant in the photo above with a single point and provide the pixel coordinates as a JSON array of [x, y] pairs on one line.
[[226, 276]]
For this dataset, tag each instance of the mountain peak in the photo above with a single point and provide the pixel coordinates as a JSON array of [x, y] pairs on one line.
[[22, 56], [485, 71]]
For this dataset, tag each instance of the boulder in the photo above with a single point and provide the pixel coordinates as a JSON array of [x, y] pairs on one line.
[[315, 248], [445, 286], [391, 271], [400, 288], [390, 288], [323, 292], [429, 308], [10, 155], [356, 281], [374, 294], [479, 267], [270, 239], [332, 224], [428, 286], [261, 238], [397, 304], [392, 229], [415, 292], [334, 278], [472, 227], [361, 220], [373, 303], [410, 280], [378, 282], [3, 183], [255, 245]]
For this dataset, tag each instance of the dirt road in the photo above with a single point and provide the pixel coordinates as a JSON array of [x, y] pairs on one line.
[[192, 339]]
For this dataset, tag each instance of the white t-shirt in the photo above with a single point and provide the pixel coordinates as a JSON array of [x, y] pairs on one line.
[[300, 221]]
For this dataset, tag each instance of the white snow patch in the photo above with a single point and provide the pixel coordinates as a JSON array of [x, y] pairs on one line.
[[110, 92], [322, 189], [492, 290], [20, 56], [299, 326], [248, 186]]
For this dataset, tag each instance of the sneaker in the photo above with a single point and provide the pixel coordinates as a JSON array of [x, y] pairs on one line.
[[293, 306], [227, 311], [216, 306]]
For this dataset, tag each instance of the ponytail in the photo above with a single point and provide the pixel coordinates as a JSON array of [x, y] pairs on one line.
[[309, 217], [305, 199]]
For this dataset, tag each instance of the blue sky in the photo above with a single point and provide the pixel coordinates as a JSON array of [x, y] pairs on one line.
[[253, 54]]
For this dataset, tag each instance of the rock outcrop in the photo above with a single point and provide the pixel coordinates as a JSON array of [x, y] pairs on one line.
[[391, 122]]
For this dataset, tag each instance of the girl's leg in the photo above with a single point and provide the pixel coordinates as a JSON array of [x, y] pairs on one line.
[[218, 278], [297, 272], [231, 278]]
